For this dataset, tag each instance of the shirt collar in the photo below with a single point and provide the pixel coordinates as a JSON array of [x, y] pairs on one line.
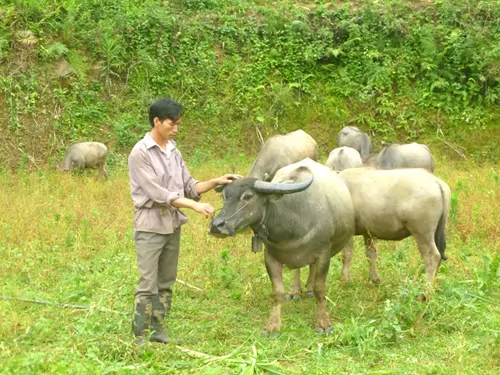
[[150, 142], [170, 146]]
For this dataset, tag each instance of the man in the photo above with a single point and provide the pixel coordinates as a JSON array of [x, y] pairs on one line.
[[160, 184]]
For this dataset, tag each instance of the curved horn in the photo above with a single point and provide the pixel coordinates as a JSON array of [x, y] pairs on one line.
[[275, 188]]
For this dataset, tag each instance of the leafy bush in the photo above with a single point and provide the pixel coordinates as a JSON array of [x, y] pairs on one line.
[[401, 68]]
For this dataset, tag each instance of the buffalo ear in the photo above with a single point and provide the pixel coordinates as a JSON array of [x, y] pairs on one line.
[[219, 188], [276, 197]]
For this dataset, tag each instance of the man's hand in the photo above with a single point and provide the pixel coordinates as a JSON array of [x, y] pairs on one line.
[[217, 183], [228, 178], [204, 209]]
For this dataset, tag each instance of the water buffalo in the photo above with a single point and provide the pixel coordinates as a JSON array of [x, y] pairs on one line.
[[85, 155], [299, 229], [412, 155], [342, 158], [395, 204], [351, 136], [281, 150]]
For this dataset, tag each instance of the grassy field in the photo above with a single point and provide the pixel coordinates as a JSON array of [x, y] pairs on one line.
[[67, 239]]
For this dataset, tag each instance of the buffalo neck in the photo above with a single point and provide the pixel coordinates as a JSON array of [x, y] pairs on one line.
[[284, 221]]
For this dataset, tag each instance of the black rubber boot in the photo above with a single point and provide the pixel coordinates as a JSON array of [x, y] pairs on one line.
[[141, 319], [161, 310]]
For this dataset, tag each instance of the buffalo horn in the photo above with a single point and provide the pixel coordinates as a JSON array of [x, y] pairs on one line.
[[276, 188]]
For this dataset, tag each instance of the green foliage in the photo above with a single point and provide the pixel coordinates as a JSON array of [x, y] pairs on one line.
[[54, 51], [127, 130], [454, 201], [198, 157], [490, 276], [84, 112], [224, 272], [396, 66]]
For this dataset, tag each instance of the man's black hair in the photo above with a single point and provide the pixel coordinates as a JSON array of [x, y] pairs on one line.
[[165, 108]]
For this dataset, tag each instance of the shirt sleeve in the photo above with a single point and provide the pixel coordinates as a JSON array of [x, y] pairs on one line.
[[143, 176], [189, 183]]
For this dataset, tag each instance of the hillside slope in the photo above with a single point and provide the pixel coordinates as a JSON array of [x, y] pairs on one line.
[[405, 70]]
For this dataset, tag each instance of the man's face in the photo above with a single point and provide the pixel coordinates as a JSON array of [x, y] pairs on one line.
[[167, 128]]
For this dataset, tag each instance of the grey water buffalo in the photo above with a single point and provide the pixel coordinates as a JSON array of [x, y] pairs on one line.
[[412, 155], [351, 136], [281, 150], [304, 216], [342, 158], [395, 204], [85, 155]]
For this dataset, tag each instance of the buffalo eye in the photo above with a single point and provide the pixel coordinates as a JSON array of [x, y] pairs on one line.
[[246, 197]]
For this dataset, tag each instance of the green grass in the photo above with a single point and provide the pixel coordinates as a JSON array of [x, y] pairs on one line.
[[66, 238]]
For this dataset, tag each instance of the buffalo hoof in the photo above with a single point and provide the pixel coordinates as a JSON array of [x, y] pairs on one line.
[[272, 335], [321, 331], [289, 297], [310, 294]]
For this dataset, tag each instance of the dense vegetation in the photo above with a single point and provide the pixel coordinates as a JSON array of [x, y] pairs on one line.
[[73, 70]]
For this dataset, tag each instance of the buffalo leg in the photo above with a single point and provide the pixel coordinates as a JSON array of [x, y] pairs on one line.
[[295, 288], [430, 255], [371, 255], [103, 171], [347, 252], [310, 281], [275, 272], [321, 270]]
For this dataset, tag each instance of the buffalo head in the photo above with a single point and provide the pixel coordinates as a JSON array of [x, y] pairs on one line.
[[246, 201]]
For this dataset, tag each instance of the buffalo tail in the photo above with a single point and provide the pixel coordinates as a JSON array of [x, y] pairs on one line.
[[439, 235]]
